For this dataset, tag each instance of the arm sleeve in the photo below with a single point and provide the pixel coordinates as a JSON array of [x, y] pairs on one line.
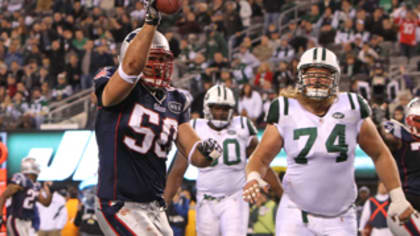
[[100, 80]]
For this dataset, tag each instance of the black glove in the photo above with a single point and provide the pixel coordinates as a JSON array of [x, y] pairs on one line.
[[152, 14], [210, 149]]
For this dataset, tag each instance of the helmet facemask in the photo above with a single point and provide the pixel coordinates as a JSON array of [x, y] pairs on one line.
[[158, 70], [222, 119], [317, 85]]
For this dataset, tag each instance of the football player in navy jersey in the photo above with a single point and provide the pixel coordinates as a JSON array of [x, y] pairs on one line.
[[24, 191], [139, 117], [404, 143]]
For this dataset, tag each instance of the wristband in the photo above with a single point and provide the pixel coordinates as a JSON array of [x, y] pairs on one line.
[[254, 175], [397, 195], [131, 79]]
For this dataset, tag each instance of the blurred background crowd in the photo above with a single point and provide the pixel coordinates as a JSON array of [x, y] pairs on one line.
[[50, 50]]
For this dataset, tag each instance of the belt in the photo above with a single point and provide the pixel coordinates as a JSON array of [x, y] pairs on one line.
[[212, 198]]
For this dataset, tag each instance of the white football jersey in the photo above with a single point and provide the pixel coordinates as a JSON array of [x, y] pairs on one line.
[[227, 175], [320, 152]]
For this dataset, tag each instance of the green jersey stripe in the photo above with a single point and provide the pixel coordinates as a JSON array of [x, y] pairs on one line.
[[273, 112], [351, 101]]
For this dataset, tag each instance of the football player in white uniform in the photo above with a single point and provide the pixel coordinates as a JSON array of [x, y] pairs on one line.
[[220, 207], [319, 128]]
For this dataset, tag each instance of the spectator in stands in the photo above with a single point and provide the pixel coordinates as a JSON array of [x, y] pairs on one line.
[[63, 89], [202, 16], [283, 53], [327, 25], [407, 31], [346, 33], [376, 26], [282, 77], [232, 22], [264, 76], [367, 50], [272, 13], [250, 103], [314, 14], [388, 32], [13, 54], [215, 42], [73, 72], [361, 32], [11, 85], [264, 50], [139, 12], [242, 72], [215, 67], [245, 12], [247, 57], [56, 56], [188, 24]]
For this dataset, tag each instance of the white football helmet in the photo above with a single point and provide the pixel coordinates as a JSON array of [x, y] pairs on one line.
[[411, 227], [29, 165], [158, 70], [318, 57], [219, 95], [413, 117]]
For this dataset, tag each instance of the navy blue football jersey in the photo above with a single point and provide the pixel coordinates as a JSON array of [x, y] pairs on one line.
[[134, 138], [408, 161], [23, 202]]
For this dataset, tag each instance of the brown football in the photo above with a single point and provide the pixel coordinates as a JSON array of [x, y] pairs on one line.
[[168, 6]]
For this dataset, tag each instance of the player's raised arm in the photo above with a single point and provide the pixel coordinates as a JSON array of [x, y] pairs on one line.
[[133, 59], [175, 176], [200, 153], [371, 142]]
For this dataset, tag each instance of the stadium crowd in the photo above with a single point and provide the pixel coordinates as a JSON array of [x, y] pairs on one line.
[[51, 50]]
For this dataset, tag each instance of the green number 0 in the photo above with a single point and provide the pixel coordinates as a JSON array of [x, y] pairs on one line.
[[226, 160], [339, 132]]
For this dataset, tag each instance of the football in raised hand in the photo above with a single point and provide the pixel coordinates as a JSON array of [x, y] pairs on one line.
[[168, 6]]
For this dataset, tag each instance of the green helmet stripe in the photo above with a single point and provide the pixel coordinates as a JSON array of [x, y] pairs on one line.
[[315, 54], [324, 54]]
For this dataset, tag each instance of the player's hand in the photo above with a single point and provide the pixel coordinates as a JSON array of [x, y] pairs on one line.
[[401, 209], [254, 188], [152, 14], [210, 149]]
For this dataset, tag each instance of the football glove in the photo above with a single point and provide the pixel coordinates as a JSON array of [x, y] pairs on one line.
[[152, 14], [210, 149]]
